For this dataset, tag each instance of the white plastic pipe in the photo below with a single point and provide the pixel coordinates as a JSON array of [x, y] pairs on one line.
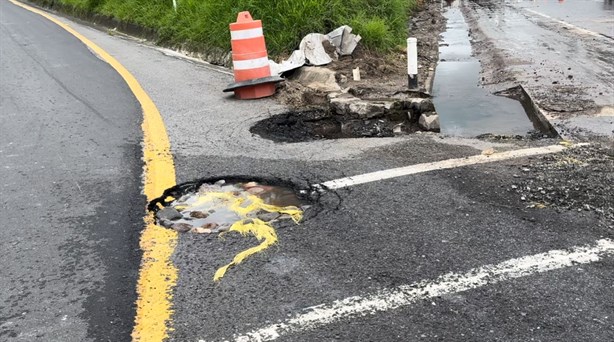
[[412, 63]]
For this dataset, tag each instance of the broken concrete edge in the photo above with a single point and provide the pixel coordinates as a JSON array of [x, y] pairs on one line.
[[541, 120], [430, 79], [399, 107]]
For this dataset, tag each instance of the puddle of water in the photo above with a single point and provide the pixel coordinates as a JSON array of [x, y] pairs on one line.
[[466, 109], [248, 208]]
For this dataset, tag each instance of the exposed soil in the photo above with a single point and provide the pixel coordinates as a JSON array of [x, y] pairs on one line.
[[381, 75]]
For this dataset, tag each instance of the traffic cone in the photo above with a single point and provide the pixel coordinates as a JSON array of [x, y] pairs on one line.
[[250, 60]]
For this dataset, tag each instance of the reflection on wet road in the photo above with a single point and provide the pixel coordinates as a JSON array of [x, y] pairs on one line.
[[594, 15]]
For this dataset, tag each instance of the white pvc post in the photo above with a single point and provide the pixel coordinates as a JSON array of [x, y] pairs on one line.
[[412, 63], [175, 5]]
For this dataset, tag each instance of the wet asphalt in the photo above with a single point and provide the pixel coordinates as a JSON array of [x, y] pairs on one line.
[[354, 241], [559, 52], [71, 169], [594, 15]]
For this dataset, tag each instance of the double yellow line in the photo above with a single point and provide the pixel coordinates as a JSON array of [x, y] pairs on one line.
[[157, 276]]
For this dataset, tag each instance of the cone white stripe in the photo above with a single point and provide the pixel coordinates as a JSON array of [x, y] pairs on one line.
[[251, 63], [246, 34]]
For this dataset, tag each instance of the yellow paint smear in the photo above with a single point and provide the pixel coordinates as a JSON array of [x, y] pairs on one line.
[[157, 275], [244, 205]]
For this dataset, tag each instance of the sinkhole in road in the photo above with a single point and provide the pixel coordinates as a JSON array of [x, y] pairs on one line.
[[323, 123], [235, 205], [317, 124], [465, 108]]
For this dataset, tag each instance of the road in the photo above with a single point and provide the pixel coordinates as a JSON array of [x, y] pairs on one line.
[[593, 15], [71, 187], [451, 254]]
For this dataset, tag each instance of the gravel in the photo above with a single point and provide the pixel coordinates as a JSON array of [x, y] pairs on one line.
[[579, 179]]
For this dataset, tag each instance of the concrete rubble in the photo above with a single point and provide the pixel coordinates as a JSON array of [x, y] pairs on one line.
[[429, 121], [317, 79]]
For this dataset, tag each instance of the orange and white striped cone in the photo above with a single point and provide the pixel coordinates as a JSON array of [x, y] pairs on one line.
[[250, 60]]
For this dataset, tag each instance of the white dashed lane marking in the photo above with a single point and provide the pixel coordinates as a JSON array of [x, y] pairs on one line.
[[390, 299], [440, 165]]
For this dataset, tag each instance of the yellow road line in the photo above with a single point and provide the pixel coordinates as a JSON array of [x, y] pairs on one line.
[[157, 276]]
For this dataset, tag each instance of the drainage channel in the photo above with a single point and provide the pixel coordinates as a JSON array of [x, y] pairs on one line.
[[222, 206], [465, 108]]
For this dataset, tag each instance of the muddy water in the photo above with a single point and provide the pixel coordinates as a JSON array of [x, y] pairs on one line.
[[466, 109], [221, 204]]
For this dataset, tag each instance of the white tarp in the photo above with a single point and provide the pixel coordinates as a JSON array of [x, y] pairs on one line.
[[314, 50], [344, 40], [296, 60], [311, 50]]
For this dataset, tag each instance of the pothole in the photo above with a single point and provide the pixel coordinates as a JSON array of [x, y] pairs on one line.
[[224, 206], [348, 116], [315, 124]]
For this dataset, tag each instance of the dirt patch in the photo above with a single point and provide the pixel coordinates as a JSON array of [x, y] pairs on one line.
[[381, 75]]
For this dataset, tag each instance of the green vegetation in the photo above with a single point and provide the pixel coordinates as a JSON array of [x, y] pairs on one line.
[[204, 23]]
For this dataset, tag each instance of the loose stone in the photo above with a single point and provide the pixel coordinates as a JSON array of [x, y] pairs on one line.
[[168, 214], [267, 217], [182, 227], [211, 225], [198, 214]]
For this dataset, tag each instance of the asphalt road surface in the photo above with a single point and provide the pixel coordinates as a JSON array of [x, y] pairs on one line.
[[594, 15], [71, 182], [369, 256]]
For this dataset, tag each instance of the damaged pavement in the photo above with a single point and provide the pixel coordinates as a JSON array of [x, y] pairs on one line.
[[382, 234], [369, 238]]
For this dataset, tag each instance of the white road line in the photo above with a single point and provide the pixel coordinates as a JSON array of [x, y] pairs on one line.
[[566, 24], [440, 165], [390, 299]]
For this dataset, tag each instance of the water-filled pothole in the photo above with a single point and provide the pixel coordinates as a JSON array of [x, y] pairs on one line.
[[243, 206]]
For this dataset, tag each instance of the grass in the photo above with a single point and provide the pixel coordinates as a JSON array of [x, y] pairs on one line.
[[204, 23]]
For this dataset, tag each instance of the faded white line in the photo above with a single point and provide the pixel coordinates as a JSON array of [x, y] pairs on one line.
[[566, 24], [440, 165], [390, 299]]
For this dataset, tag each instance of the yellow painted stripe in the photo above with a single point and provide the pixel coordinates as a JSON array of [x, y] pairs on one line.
[[157, 276]]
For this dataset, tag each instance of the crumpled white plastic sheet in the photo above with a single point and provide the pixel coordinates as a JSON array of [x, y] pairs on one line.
[[311, 49]]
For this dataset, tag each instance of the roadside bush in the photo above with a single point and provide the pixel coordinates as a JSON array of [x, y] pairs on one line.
[[204, 23]]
